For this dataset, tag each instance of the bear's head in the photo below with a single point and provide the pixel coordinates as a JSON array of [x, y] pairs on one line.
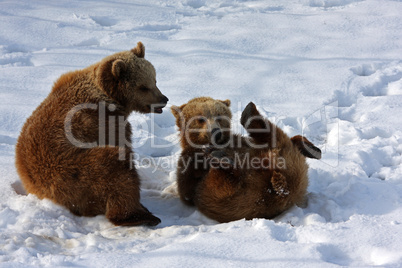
[[203, 121], [130, 80]]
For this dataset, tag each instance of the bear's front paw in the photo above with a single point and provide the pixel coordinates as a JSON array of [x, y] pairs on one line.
[[218, 154], [219, 159], [138, 218], [213, 152], [208, 149]]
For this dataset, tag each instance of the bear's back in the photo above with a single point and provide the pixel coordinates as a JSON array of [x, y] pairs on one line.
[[42, 146]]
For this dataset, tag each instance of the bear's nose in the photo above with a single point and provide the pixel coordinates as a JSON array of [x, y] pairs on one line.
[[164, 99], [216, 134]]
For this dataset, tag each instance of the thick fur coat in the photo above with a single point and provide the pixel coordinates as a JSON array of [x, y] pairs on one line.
[[237, 177], [75, 148]]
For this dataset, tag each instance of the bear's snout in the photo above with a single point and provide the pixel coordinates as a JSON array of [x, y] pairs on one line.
[[157, 108], [164, 99]]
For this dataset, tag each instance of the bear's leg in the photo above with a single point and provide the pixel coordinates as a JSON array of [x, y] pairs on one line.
[[123, 205], [306, 147], [279, 184], [189, 176], [117, 183], [120, 215], [260, 129]]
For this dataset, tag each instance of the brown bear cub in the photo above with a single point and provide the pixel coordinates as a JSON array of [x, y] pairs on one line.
[[232, 177], [75, 148]]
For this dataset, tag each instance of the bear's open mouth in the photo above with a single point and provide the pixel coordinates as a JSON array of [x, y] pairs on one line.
[[157, 108]]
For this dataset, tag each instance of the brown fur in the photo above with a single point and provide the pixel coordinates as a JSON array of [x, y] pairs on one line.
[[96, 175], [189, 117], [229, 191]]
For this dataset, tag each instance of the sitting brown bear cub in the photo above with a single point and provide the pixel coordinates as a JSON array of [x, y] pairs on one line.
[[75, 148], [237, 177]]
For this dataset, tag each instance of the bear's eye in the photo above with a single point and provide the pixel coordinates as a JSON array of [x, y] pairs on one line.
[[144, 88], [201, 120]]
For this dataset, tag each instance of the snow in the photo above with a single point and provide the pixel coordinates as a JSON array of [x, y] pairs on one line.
[[328, 69]]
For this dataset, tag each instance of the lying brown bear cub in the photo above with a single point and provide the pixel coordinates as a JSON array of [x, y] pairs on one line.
[[230, 177], [75, 148]]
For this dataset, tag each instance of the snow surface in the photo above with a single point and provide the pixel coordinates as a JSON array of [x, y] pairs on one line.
[[329, 69]]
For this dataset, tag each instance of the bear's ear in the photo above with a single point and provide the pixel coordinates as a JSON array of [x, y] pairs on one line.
[[177, 111], [139, 50], [104, 76], [107, 75], [178, 114], [226, 102], [306, 147], [118, 67]]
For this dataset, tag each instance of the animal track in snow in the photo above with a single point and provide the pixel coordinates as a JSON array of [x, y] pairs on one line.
[[330, 3], [13, 56], [333, 254], [196, 3], [104, 21], [376, 80], [219, 10], [158, 27], [19, 188], [89, 42], [364, 69]]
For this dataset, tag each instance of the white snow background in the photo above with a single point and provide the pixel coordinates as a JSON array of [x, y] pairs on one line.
[[328, 69]]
